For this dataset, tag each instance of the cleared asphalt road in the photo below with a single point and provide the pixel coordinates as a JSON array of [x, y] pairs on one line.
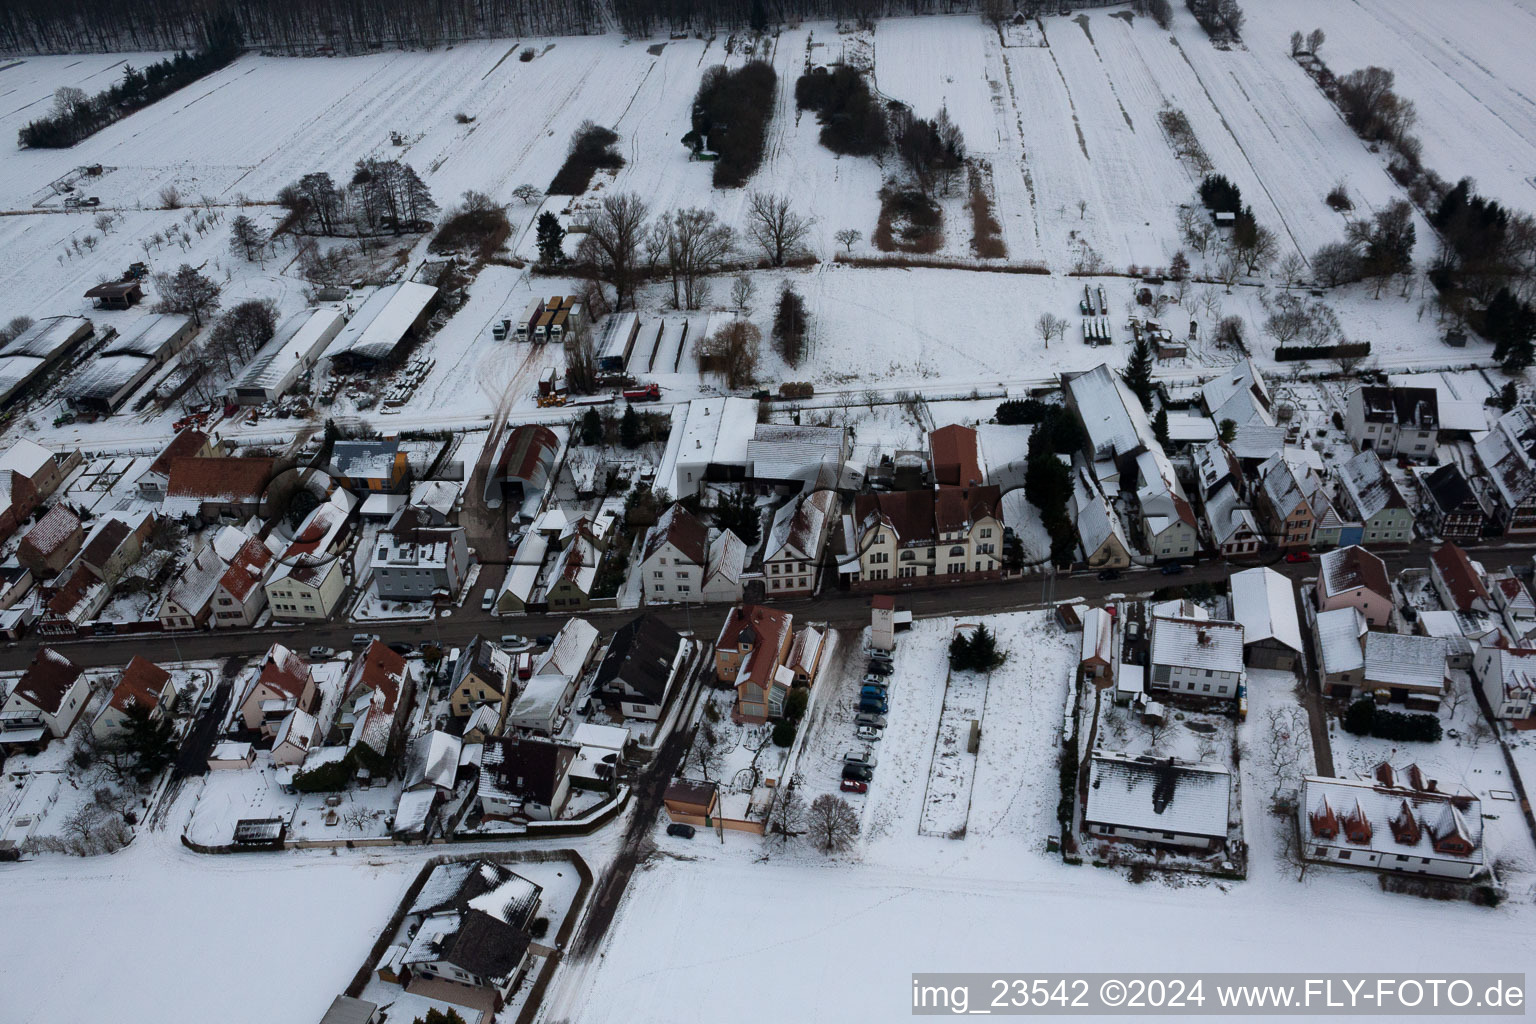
[[837, 608]]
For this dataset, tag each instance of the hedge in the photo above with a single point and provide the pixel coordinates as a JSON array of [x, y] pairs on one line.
[[1364, 717], [1302, 353]]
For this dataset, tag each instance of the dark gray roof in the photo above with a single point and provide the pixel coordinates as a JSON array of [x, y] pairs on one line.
[[1450, 489], [641, 654]]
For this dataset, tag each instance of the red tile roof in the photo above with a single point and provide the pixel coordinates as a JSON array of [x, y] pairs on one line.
[[763, 628], [685, 532], [284, 671], [1460, 578], [246, 569], [214, 479], [956, 456], [47, 680], [184, 445], [52, 531], [141, 683]]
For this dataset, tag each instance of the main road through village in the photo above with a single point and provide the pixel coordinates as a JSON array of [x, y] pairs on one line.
[[836, 608]]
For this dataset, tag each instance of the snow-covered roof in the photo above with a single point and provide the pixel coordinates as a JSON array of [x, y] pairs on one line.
[[1394, 818], [1196, 643], [379, 324], [299, 339], [439, 496], [1405, 660], [1346, 569], [727, 556], [230, 750], [606, 737], [432, 759], [539, 700], [108, 380], [25, 456], [1098, 635], [1162, 795], [1229, 515], [1239, 395], [47, 338], [194, 588], [799, 527], [299, 729], [16, 371], [150, 337], [1112, 415], [571, 651], [715, 431], [1508, 454], [1338, 640], [1096, 521], [786, 451], [1264, 601], [1368, 486], [50, 532], [676, 526], [364, 460]]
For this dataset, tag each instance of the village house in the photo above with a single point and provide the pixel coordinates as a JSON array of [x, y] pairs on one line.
[[1264, 603], [52, 543], [547, 694], [1394, 421], [1115, 426], [1291, 504], [750, 654], [909, 538], [189, 443], [1506, 675], [1352, 577], [1157, 802], [1099, 534], [1340, 639], [1234, 530], [1455, 509], [370, 466], [414, 560], [673, 558], [804, 658], [1215, 466], [309, 577], [1240, 394], [377, 699], [74, 602], [1201, 657], [215, 490], [691, 802], [727, 561], [239, 597], [1392, 820], [18, 499], [189, 602], [141, 684], [115, 543], [1514, 603], [1168, 526], [296, 735], [283, 684], [1406, 669], [796, 540], [526, 777], [1371, 497], [45, 703], [1098, 652], [469, 934], [42, 470], [1507, 455], [483, 674], [1458, 581], [430, 796], [572, 580], [637, 673]]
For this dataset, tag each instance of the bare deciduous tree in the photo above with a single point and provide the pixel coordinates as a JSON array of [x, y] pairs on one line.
[[527, 193], [732, 353], [789, 816], [1049, 326], [832, 823], [742, 290], [848, 237], [775, 227], [696, 244], [611, 246]]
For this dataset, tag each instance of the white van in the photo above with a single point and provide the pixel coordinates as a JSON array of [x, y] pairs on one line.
[[488, 601]]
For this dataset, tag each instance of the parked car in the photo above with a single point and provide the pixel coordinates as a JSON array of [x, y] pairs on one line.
[[865, 758], [881, 668], [1110, 574], [321, 653], [873, 693], [864, 718], [363, 639], [513, 640], [873, 706], [867, 732], [402, 648], [875, 654], [855, 786], [883, 682], [206, 701], [488, 599], [857, 773], [544, 639], [1173, 569], [1299, 556], [680, 830]]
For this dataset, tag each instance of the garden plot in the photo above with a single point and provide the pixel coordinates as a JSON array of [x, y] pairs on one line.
[[1469, 76], [1468, 757], [952, 769]]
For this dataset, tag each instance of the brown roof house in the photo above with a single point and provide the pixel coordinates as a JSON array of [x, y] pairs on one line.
[[955, 456], [239, 597], [1458, 581], [188, 444], [142, 684], [217, 490], [750, 655], [282, 685], [378, 699], [922, 538], [29, 473], [115, 544], [1352, 577], [46, 702], [691, 802], [52, 543], [526, 777]]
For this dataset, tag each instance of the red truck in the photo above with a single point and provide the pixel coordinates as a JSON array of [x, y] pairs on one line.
[[643, 393]]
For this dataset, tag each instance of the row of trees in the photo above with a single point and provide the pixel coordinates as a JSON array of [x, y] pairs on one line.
[[624, 245], [730, 114], [1221, 19], [76, 115], [1048, 481], [382, 195]]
